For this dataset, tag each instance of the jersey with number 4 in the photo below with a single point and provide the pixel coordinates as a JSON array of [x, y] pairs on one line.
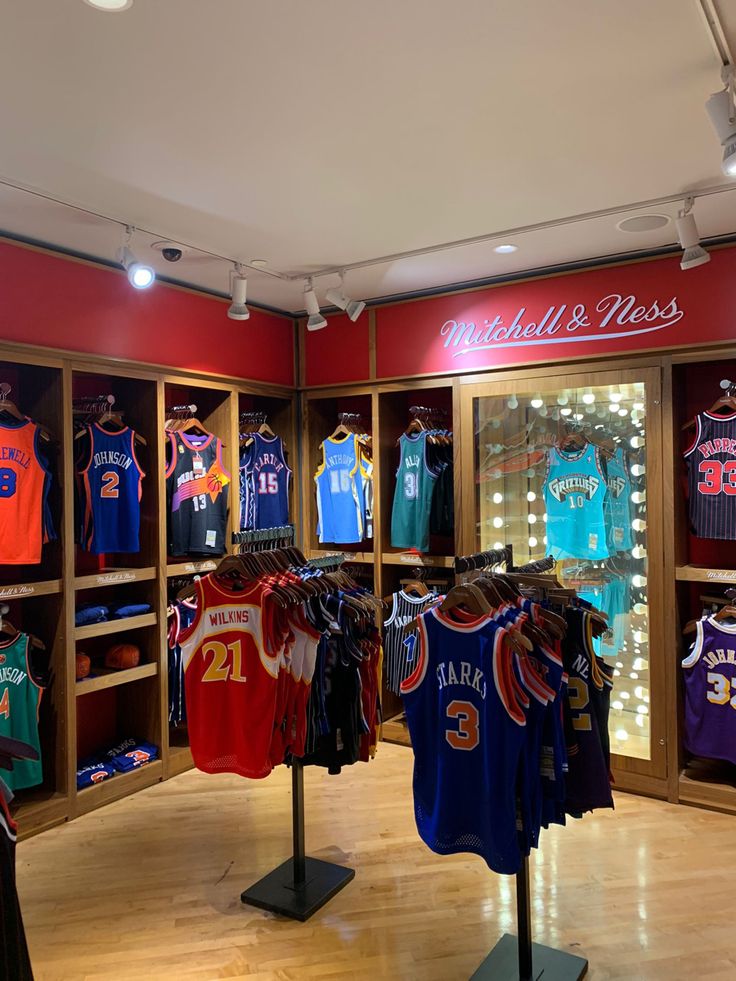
[[710, 692], [711, 462], [230, 679]]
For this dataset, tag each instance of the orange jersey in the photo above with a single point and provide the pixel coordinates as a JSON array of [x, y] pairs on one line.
[[22, 485], [231, 682]]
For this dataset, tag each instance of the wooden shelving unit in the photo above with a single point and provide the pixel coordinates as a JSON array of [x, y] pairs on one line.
[[417, 560], [115, 626], [25, 590], [110, 678], [366, 557], [195, 567], [114, 577], [696, 573], [122, 784]]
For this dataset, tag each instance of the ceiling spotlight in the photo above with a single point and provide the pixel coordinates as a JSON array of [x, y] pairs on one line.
[[506, 249], [315, 320], [140, 275], [238, 289], [353, 308], [687, 231], [721, 108], [112, 6]]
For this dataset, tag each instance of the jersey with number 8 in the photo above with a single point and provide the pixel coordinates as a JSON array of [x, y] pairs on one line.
[[230, 679], [23, 479], [467, 731], [711, 460], [710, 692]]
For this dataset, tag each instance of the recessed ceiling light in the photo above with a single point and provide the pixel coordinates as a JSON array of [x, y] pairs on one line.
[[259, 263], [112, 6], [505, 249], [643, 223]]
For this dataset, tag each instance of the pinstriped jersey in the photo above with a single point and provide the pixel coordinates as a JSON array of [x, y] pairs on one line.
[[399, 651], [711, 462]]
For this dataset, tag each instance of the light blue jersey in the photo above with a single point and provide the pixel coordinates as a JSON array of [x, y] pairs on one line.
[[618, 504], [575, 497], [340, 495]]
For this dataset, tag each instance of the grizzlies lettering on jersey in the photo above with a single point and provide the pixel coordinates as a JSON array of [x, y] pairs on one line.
[[467, 732], [711, 463], [710, 692], [575, 495], [112, 480], [399, 649], [413, 495], [618, 503], [20, 698], [264, 484], [197, 487], [339, 484], [24, 481]]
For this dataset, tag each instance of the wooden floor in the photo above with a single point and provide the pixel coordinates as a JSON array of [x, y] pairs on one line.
[[149, 887]]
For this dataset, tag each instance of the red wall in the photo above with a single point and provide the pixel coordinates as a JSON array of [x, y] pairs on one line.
[[339, 352], [53, 301]]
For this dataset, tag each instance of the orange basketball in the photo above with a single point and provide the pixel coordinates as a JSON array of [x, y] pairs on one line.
[[84, 666], [122, 656]]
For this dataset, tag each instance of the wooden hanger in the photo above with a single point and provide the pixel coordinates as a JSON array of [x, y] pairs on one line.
[[415, 587]]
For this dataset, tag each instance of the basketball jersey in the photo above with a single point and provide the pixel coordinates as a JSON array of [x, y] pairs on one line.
[[197, 487], [265, 480], [710, 692], [112, 481], [415, 484], [618, 504], [14, 960], [467, 732], [20, 698], [574, 495], [339, 483], [711, 463], [23, 486], [230, 680], [399, 650]]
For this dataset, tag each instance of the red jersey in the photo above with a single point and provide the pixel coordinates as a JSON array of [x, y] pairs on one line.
[[231, 681], [22, 484]]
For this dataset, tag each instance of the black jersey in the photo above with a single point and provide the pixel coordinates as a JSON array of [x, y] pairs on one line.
[[711, 463], [14, 960], [197, 487]]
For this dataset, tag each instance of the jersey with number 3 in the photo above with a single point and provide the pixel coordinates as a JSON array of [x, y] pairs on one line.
[[467, 731], [230, 679], [112, 480], [710, 692], [711, 460]]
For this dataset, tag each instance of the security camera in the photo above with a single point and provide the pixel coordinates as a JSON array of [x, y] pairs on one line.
[[171, 253]]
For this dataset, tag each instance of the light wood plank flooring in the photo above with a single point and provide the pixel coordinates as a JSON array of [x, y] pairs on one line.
[[149, 887]]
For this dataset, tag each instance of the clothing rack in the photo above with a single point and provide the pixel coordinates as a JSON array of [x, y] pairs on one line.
[[427, 412], [519, 958], [301, 885], [253, 416], [180, 411], [349, 418], [259, 539], [95, 405], [328, 561]]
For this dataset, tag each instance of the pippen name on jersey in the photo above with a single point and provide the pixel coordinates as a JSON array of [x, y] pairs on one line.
[[447, 675], [719, 445], [268, 460], [222, 618], [576, 483], [114, 458], [16, 455], [713, 658]]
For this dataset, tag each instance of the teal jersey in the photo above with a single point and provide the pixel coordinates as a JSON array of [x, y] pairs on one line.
[[20, 697], [575, 493], [413, 495], [618, 504]]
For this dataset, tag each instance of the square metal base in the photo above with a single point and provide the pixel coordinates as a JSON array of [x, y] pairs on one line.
[[277, 893], [502, 964]]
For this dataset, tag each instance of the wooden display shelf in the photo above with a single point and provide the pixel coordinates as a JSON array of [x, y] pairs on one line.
[[395, 730], [319, 553], [415, 559], [23, 590], [38, 810], [708, 785], [191, 567], [115, 626], [109, 678], [180, 760], [696, 573], [114, 577], [121, 785]]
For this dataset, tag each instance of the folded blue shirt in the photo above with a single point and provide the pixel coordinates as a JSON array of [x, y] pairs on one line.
[[93, 771], [120, 610], [90, 613]]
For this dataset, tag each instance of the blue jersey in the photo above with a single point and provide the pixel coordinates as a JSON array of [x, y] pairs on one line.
[[575, 497], [264, 484], [468, 732], [112, 480], [340, 494], [618, 501]]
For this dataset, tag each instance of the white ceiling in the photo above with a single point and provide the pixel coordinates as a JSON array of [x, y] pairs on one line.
[[324, 133]]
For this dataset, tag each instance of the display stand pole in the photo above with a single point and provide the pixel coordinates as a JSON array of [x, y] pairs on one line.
[[301, 885]]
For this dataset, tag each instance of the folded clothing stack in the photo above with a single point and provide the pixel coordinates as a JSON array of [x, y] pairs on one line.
[[129, 754], [95, 613]]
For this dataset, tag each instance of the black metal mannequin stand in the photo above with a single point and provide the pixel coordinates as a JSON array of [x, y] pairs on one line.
[[301, 885], [519, 959]]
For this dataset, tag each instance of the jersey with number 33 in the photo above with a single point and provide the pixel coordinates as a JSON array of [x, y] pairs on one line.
[[711, 461]]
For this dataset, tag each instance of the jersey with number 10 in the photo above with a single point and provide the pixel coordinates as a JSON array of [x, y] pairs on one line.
[[711, 461], [575, 493]]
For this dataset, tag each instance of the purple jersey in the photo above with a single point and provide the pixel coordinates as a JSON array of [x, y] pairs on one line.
[[711, 461], [710, 692]]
